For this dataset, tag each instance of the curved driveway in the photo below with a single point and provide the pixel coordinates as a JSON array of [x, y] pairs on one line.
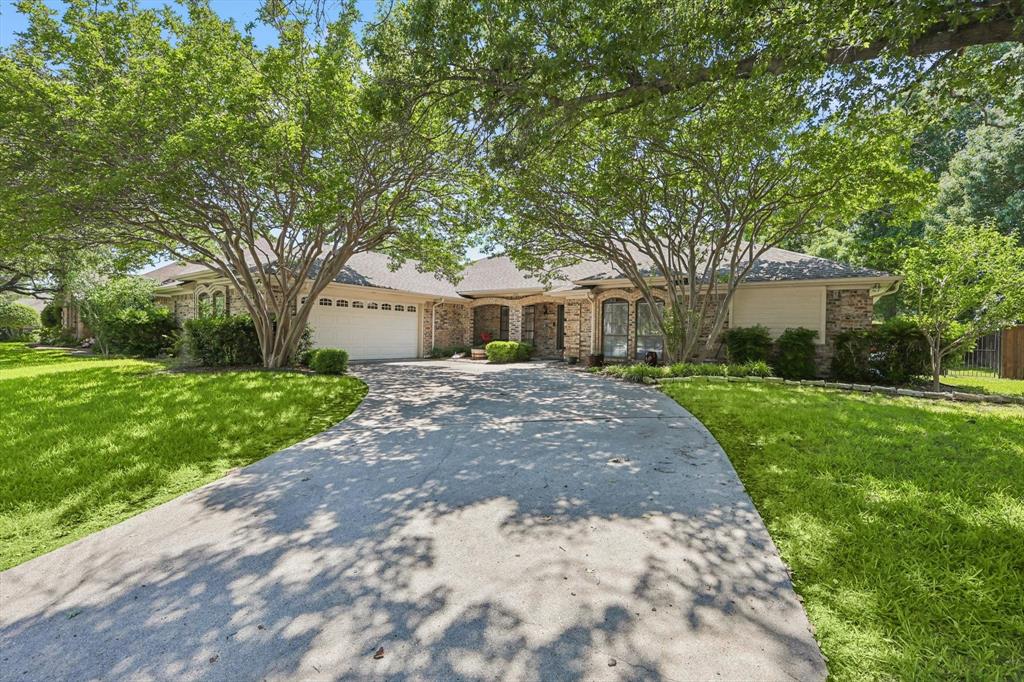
[[478, 522]]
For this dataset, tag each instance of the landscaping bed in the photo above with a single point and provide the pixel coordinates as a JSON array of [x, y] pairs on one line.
[[86, 443], [902, 521]]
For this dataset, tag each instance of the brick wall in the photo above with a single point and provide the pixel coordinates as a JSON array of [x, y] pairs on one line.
[[845, 310], [577, 328]]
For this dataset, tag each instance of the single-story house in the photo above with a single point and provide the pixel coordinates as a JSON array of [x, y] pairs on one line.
[[374, 312]]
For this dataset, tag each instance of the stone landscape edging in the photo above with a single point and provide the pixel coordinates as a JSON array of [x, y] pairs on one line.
[[957, 396]]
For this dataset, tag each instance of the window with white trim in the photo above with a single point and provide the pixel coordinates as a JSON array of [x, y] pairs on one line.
[[357, 304], [410, 308], [399, 307], [203, 305], [326, 302], [371, 306], [385, 306], [615, 327], [341, 303], [648, 333], [219, 303]]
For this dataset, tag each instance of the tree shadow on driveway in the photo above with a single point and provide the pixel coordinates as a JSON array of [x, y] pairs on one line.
[[515, 523]]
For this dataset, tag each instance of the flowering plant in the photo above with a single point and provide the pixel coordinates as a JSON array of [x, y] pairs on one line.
[[486, 337]]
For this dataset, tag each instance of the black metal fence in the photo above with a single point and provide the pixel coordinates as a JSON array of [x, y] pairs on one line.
[[984, 360]]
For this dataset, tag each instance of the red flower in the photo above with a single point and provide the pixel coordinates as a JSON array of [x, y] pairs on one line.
[[485, 337]]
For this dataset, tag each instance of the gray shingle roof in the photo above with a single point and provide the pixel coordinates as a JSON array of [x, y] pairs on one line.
[[499, 274], [775, 265], [371, 270]]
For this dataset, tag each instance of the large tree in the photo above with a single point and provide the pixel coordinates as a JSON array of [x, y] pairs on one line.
[[683, 202], [985, 179], [270, 165], [530, 59]]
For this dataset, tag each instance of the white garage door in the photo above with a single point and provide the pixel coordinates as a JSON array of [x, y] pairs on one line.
[[368, 330]]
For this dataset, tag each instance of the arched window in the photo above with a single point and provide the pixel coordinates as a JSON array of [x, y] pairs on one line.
[[357, 304], [385, 306], [326, 302], [410, 308], [220, 303], [615, 328], [371, 306], [648, 334], [203, 305], [399, 307], [342, 303]]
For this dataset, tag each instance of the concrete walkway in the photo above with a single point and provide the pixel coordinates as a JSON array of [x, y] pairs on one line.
[[477, 522]]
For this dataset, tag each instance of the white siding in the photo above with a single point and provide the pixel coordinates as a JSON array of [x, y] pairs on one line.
[[780, 308]]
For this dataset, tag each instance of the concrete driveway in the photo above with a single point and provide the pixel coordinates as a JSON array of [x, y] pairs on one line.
[[478, 522]]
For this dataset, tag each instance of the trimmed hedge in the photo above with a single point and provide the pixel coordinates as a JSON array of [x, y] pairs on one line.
[[146, 332], [748, 344], [508, 351], [328, 360], [893, 353], [794, 354], [228, 341]]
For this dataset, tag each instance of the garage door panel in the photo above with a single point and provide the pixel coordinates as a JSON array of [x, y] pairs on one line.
[[366, 334]]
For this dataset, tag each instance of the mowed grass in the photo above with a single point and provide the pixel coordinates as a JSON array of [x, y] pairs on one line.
[[86, 443], [902, 520], [991, 385]]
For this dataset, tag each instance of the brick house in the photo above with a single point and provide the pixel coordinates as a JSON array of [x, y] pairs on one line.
[[378, 313]]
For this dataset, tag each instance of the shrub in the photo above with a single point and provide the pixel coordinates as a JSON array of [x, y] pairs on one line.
[[17, 320], [508, 351], [638, 372], [794, 353], [447, 351], [51, 315], [755, 368], [747, 369], [748, 344], [851, 359], [893, 353], [103, 301], [904, 352], [147, 332], [328, 360], [228, 341]]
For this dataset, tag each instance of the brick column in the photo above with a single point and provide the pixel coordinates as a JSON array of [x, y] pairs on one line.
[[515, 322]]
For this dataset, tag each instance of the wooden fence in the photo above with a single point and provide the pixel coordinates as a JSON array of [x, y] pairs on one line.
[[1013, 353]]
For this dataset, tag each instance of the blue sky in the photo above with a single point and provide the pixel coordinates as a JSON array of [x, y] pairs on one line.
[[242, 11]]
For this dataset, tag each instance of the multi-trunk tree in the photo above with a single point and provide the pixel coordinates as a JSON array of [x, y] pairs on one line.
[[272, 165], [683, 202], [961, 283]]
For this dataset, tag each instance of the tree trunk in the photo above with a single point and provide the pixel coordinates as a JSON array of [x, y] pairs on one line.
[[936, 367]]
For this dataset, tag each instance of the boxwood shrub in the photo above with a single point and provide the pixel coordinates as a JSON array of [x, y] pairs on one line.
[[748, 344], [508, 351], [794, 353], [328, 360]]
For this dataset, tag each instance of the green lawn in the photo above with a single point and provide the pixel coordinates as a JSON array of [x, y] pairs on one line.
[[86, 443], [986, 384], [902, 520]]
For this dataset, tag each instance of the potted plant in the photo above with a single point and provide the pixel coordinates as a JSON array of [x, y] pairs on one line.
[[479, 351]]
